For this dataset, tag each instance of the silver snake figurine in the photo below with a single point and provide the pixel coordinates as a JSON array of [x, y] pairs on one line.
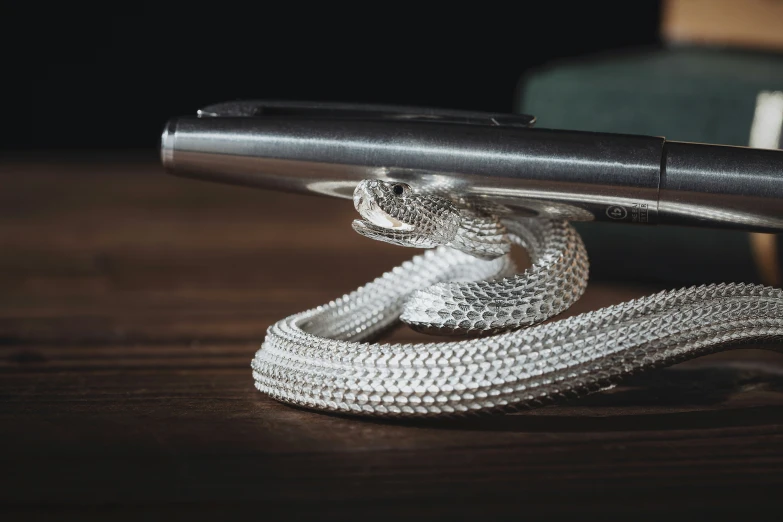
[[323, 359]]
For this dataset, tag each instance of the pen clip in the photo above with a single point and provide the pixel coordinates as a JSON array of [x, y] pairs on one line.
[[354, 111]]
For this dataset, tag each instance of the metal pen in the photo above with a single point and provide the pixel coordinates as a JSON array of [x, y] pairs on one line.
[[327, 148]]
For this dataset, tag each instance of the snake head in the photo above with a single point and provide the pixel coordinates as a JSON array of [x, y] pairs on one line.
[[395, 213]]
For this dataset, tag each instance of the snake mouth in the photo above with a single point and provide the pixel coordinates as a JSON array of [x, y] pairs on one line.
[[366, 228], [373, 215], [380, 224], [363, 225], [405, 238], [370, 229]]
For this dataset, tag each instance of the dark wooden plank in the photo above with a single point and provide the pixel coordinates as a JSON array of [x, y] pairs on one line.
[[132, 303]]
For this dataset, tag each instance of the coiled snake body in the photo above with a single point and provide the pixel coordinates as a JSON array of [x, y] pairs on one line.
[[322, 358]]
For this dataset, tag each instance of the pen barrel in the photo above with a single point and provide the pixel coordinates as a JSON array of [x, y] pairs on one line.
[[536, 172], [573, 175]]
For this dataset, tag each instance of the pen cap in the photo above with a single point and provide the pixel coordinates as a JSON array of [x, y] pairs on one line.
[[721, 186]]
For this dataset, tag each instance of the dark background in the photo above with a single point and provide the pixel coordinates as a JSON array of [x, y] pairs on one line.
[[132, 301], [109, 77]]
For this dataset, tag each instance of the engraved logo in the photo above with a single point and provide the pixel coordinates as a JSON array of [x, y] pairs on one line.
[[616, 212]]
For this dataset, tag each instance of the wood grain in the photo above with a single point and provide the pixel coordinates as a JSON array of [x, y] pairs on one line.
[[132, 303]]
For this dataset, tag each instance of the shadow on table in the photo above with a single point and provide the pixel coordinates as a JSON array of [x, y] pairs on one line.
[[665, 400]]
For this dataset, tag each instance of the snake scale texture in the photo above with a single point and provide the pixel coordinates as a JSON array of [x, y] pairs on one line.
[[324, 358]]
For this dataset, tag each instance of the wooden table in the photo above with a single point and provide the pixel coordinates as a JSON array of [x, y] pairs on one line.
[[132, 303]]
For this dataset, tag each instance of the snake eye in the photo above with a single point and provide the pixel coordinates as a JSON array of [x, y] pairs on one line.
[[398, 189]]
